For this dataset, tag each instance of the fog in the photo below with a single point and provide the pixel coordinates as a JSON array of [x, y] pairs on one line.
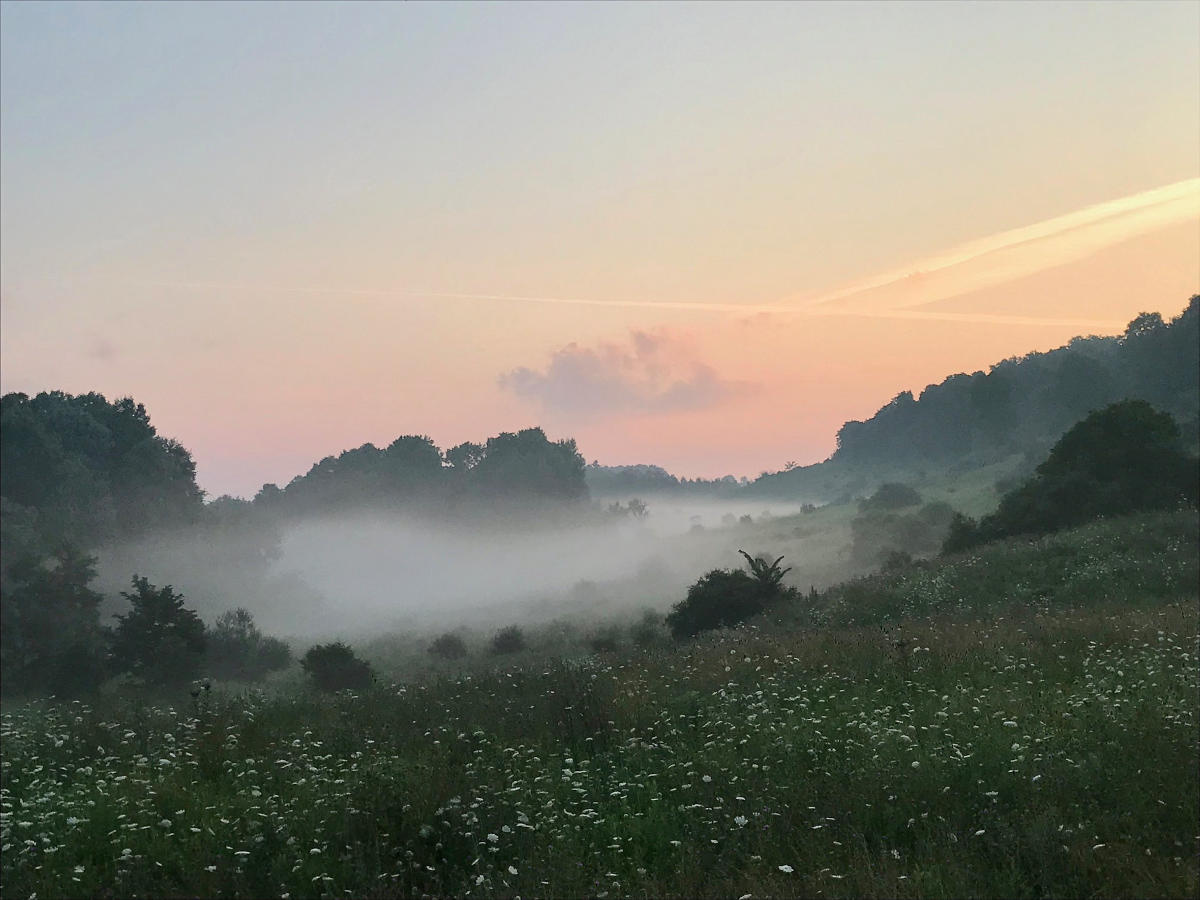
[[359, 575]]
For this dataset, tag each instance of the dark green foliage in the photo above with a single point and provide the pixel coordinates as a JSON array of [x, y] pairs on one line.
[[508, 640], [238, 650], [523, 468], [648, 631], [1029, 401], [159, 640], [604, 641], [767, 574], [890, 496], [335, 667], [721, 598], [91, 470], [51, 637], [449, 646], [1141, 559], [1124, 458]]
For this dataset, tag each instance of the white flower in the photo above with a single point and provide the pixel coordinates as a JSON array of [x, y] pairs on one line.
[[479, 879], [512, 870], [740, 821], [1009, 723], [493, 837], [787, 870], [706, 778], [915, 764]]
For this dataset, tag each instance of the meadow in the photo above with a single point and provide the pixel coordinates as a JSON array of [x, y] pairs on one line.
[[1039, 740]]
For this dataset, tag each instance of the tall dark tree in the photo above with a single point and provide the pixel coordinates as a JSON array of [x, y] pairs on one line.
[[159, 640], [51, 638]]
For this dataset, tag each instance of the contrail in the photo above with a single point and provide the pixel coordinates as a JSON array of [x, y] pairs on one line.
[[1096, 226], [1160, 207]]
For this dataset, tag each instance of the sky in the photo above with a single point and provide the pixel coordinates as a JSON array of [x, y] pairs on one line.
[[697, 235]]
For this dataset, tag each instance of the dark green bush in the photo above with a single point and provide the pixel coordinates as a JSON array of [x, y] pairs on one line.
[[508, 640], [334, 667], [891, 495], [449, 646], [238, 650]]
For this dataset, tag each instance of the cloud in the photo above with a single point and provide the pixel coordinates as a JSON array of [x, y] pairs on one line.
[[654, 373]]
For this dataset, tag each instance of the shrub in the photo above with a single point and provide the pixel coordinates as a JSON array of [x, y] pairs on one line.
[[238, 650], [720, 598], [604, 641], [449, 646], [159, 640], [648, 631], [508, 640], [891, 495], [334, 667]]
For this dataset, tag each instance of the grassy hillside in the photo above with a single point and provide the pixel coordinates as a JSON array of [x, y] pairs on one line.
[[1034, 734]]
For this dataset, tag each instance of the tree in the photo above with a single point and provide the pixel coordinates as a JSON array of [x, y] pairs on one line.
[[508, 640], [52, 639], [335, 667], [159, 640], [1121, 459], [238, 650], [449, 646]]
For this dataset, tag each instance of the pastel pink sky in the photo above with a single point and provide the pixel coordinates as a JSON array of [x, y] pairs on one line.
[[692, 235]]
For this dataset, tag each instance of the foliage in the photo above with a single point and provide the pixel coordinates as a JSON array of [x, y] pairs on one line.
[[91, 470], [237, 649], [52, 640], [159, 640], [1121, 459], [449, 646], [891, 495], [963, 771], [721, 598], [508, 640], [605, 640], [335, 667], [767, 574], [876, 536]]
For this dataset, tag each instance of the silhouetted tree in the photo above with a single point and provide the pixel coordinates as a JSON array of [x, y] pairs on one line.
[[335, 667], [159, 640]]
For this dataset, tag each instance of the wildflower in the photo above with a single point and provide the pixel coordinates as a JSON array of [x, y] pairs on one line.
[[210, 868], [786, 870], [706, 778], [479, 879], [740, 821], [915, 764], [493, 838], [512, 870]]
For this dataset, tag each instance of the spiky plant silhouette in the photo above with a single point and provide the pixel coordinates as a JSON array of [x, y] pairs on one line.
[[768, 574]]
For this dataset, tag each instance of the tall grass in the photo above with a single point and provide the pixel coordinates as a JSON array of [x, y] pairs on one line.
[[1047, 753]]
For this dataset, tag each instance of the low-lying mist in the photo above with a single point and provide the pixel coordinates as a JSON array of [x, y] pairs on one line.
[[356, 575]]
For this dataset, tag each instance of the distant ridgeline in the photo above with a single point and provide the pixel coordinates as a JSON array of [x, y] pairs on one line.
[[647, 480], [83, 471], [1022, 405], [412, 473]]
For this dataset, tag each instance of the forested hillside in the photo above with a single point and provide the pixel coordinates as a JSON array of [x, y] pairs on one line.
[[1021, 405]]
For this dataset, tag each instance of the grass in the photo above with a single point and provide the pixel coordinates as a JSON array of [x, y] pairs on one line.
[[1022, 744]]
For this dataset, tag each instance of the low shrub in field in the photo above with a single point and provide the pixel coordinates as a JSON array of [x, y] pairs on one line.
[[508, 640], [238, 650], [890, 495], [449, 646], [334, 667], [604, 641], [725, 597]]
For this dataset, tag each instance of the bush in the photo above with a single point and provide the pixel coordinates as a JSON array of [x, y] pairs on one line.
[[508, 640], [648, 631], [891, 495], [720, 598], [238, 650], [334, 667], [604, 641], [159, 640], [449, 646]]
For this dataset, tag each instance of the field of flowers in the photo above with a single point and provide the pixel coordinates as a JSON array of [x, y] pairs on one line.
[[1051, 754]]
